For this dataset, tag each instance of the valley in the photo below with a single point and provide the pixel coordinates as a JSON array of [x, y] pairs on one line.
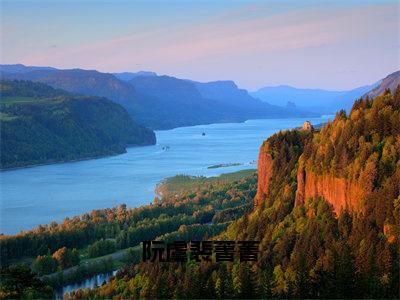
[[38, 195], [199, 149]]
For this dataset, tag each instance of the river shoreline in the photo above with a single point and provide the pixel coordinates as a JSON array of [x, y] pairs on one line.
[[46, 163], [33, 196], [73, 160]]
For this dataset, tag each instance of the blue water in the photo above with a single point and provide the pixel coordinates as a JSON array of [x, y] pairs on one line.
[[41, 194], [92, 282]]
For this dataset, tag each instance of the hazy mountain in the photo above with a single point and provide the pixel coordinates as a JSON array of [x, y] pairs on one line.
[[166, 87], [346, 99], [126, 76], [84, 82], [227, 92], [20, 68], [44, 125], [280, 95], [318, 100], [220, 101], [181, 104], [159, 102], [390, 82]]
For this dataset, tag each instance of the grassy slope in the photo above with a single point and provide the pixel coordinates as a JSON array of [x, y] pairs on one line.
[[178, 184]]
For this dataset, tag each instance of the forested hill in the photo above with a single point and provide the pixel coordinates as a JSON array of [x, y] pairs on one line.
[[389, 82], [158, 102], [308, 250], [40, 124], [328, 204]]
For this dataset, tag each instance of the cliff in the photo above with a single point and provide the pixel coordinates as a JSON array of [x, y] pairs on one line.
[[277, 161], [349, 162], [264, 170], [390, 82], [342, 193]]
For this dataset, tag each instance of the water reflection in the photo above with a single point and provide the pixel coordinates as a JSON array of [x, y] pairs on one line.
[[92, 282]]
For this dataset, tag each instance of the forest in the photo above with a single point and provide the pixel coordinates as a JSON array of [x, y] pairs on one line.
[[307, 251], [204, 207], [158, 102], [40, 124]]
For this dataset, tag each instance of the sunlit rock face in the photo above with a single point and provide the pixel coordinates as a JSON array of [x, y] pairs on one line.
[[307, 126], [264, 174], [340, 192]]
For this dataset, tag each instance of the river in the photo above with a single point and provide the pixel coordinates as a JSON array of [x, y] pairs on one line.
[[41, 194], [92, 282]]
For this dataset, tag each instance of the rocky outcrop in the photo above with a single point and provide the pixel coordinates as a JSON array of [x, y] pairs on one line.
[[388, 83], [340, 192], [277, 162], [264, 174], [343, 194], [301, 184], [352, 163], [307, 126]]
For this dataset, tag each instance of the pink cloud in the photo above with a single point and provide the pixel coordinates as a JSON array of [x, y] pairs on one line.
[[237, 36]]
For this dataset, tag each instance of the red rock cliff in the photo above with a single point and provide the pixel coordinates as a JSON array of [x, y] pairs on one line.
[[264, 174], [340, 192]]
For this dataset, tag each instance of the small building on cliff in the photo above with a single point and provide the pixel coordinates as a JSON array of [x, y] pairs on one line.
[[307, 126]]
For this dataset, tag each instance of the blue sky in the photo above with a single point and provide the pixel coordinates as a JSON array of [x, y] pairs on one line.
[[315, 44]]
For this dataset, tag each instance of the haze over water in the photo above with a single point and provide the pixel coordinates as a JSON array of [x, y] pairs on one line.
[[39, 195]]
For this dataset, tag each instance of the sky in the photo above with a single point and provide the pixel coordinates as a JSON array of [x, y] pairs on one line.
[[335, 45]]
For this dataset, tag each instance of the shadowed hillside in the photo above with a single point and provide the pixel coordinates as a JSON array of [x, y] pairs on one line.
[[320, 245], [42, 125], [158, 102]]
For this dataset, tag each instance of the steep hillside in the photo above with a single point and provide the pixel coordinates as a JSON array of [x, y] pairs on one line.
[[127, 76], [42, 125], [159, 102], [179, 103], [346, 162], [316, 100], [142, 105], [199, 103], [277, 161], [390, 82], [314, 248], [311, 248], [143, 108], [229, 93], [327, 207], [84, 82]]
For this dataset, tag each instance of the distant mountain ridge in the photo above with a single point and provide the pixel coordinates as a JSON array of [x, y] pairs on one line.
[[40, 124], [127, 76], [317, 100], [165, 102], [159, 102], [20, 68], [389, 82], [228, 92], [85, 82]]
